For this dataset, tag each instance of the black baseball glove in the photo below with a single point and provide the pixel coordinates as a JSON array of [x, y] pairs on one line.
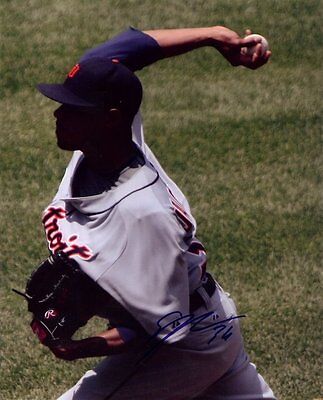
[[58, 293]]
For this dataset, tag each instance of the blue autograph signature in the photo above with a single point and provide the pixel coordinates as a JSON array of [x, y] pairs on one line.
[[177, 321]]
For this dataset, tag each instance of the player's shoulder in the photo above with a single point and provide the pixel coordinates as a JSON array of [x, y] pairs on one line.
[[150, 202]]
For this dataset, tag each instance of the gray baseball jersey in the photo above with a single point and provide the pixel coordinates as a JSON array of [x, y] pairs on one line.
[[136, 240]]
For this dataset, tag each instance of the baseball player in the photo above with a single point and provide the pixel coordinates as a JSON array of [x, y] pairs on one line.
[[173, 332]]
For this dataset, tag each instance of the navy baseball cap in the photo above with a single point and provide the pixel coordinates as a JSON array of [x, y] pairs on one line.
[[98, 83]]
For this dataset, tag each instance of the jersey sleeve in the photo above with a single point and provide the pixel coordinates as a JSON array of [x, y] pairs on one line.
[[150, 279], [133, 48]]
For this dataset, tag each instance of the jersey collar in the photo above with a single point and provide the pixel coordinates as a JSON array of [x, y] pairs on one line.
[[145, 176]]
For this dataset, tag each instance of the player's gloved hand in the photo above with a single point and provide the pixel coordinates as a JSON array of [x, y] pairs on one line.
[[229, 44], [52, 324], [57, 294]]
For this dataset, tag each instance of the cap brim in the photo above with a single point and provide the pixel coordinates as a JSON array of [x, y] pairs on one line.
[[61, 94]]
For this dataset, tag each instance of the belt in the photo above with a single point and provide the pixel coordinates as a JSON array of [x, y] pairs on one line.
[[196, 300]]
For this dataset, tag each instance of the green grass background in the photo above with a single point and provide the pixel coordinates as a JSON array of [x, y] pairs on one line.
[[245, 146]]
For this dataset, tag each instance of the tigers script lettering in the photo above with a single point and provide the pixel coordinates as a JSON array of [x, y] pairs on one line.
[[55, 237]]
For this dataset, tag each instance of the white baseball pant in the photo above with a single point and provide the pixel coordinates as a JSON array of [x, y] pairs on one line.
[[220, 371]]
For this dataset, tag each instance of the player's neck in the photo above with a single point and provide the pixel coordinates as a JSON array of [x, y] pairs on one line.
[[111, 156]]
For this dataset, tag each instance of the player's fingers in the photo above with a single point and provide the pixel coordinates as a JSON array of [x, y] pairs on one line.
[[265, 57], [236, 42], [245, 60], [259, 61], [248, 32], [254, 61], [260, 58], [249, 42], [268, 54], [257, 53], [258, 50]]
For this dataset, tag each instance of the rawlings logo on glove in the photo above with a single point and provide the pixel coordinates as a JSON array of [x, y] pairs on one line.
[[56, 293]]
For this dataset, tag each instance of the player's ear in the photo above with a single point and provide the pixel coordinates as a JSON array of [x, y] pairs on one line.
[[113, 117]]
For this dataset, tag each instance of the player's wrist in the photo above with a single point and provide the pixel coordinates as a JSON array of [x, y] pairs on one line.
[[93, 347], [222, 36], [70, 350], [214, 35]]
